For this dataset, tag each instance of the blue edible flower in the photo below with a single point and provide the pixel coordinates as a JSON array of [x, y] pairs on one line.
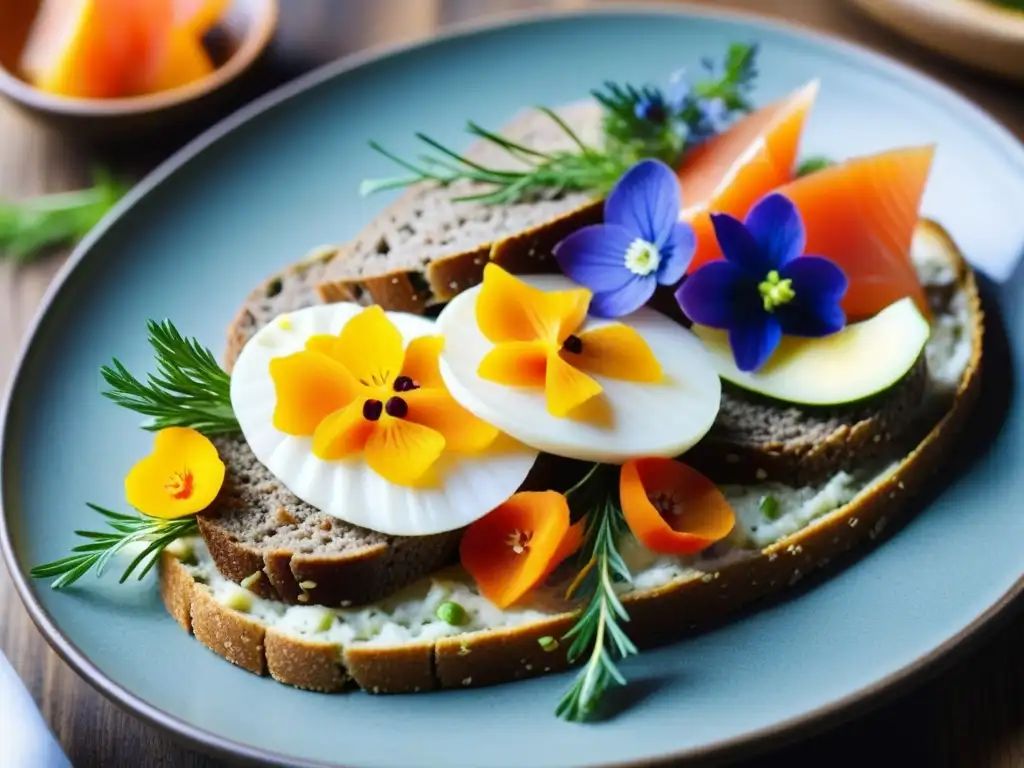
[[765, 287], [641, 243]]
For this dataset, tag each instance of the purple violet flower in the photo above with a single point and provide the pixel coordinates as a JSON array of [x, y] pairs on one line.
[[641, 243], [764, 287]]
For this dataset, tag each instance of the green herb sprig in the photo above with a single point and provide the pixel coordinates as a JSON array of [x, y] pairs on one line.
[[189, 389], [28, 227], [101, 546], [637, 123], [599, 626]]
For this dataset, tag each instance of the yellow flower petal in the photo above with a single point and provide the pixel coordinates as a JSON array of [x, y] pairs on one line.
[[566, 387], [182, 476], [370, 346], [322, 342], [421, 358], [435, 408], [516, 364], [343, 433], [618, 352], [401, 451], [507, 309], [309, 386]]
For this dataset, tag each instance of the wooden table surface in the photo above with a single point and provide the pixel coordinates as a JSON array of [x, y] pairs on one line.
[[971, 715]]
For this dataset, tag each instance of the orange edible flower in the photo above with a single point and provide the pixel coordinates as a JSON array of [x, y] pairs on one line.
[[671, 508], [361, 392], [538, 343], [518, 544], [182, 476]]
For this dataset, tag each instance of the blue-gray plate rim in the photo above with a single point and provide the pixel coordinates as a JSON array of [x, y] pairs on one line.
[[745, 744]]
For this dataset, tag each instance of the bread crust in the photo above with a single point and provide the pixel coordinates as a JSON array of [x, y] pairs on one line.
[[491, 657]]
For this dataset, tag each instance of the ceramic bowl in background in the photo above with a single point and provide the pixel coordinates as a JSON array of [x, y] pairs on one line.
[[237, 43], [980, 33]]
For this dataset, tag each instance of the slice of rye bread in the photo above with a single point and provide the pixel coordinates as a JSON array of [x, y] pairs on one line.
[[704, 595], [425, 248], [260, 533]]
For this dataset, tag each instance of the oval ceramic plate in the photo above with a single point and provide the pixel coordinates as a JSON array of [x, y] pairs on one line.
[[258, 192]]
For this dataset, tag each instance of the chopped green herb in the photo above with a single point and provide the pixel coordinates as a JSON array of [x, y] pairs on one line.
[[548, 643], [451, 613], [28, 227], [813, 164], [769, 507]]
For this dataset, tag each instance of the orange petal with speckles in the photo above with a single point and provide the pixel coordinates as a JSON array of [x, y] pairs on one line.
[[487, 553], [703, 515]]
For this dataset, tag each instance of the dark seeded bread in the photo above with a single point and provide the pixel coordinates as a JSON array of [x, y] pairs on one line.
[[656, 615], [425, 248], [755, 438], [298, 554]]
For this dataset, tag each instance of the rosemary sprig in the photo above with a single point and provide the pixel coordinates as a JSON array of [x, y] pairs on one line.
[[599, 626], [189, 389], [100, 547], [583, 169], [638, 123]]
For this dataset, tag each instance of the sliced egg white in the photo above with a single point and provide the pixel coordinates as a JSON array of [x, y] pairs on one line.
[[651, 420], [468, 485], [861, 360]]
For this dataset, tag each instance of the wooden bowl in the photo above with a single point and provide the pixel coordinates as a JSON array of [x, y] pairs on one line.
[[237, 43], [978, 33]]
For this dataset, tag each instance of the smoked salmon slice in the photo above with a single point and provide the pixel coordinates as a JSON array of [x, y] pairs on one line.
[[862, 214], [731, 172]]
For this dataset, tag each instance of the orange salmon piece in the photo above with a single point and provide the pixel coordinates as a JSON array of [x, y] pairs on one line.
[[862, 214], [732, 171]]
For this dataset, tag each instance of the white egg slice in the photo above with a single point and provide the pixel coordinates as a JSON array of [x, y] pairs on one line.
[[469, 485], [651, 420]]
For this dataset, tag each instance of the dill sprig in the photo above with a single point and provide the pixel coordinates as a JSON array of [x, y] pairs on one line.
[[637, 123], [101, 546], [189, 389], [599, 626]]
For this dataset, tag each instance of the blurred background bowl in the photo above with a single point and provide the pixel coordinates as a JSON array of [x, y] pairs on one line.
[[981, 33], [152, 122]]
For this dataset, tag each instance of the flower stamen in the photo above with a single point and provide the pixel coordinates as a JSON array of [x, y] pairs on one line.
[[642, 257], [666, 504], [396, 407], [573, 344], [405, 384], [775, 291], [180, 485], [519, 541], [372, 410]]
